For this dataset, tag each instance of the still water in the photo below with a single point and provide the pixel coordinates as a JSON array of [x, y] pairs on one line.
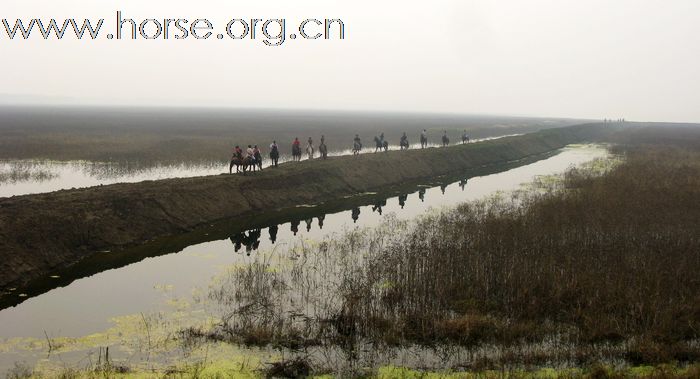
[[88, 305], [23, 177]]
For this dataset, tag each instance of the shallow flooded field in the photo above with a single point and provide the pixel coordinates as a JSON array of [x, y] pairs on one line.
[[23, 177], [138, 310]]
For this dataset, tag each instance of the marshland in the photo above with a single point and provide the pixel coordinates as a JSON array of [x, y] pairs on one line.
[[580, 263]]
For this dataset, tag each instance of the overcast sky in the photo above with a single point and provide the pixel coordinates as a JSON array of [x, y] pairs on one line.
[[638, 59]]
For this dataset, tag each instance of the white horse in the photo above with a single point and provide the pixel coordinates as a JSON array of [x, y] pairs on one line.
[[310, 151]]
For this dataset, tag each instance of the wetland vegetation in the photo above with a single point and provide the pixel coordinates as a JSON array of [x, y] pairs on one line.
[[592, 274], [596, 268]]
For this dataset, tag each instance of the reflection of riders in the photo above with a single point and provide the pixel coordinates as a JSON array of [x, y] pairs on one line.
[[249, 239], [320, 221], [421, 194], [378, 207], [308, 224], [273, 233], [443, 187], [402, 200], [295, 226], [355, 214], [463, 183]]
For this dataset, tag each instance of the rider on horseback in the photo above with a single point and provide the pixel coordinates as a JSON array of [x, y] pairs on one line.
[[465, 137], [250, 153], [357, 144], [274, 153], [296, 149], [404, 141], [258, 156]]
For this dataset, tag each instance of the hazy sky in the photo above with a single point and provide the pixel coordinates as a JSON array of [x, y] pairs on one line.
[[638, 59]]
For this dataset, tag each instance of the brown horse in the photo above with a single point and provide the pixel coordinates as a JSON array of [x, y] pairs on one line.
[[235, 161], [296, 153], [249, 164]]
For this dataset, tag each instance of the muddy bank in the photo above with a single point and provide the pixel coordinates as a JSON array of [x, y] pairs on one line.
[[43, 233]]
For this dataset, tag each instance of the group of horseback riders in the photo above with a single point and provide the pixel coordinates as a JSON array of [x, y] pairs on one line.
[[251, 158], [382, 144]]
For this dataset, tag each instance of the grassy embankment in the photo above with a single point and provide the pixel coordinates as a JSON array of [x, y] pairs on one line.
[[49, 232]]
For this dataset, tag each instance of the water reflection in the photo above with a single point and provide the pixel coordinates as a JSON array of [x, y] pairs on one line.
[[402, 200], [378, 206], [355, 214], [86, 305], [250, 239], [273, 233]]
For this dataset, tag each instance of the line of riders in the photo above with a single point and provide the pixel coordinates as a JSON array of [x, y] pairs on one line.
[[251, 158]]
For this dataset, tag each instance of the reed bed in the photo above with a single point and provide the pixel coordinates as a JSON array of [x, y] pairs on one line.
[[601, 267]]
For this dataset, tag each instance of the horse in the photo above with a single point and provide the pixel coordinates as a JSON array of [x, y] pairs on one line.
[[249, 163], [310, 151], [357, 146], [259, 160], [274, 156], [235, 161], [445, 140], [323, 149], [404, 144], [296, 153], [423, 141], [380, 144], [465, 138]]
